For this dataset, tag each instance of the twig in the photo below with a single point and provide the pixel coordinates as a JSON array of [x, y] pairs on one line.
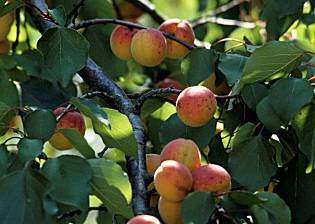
[[74, 12], [222, 21], [149, 8], [28, 41], [9, 139], [117, 10], [101, 153], [128, 24], [18, 23]]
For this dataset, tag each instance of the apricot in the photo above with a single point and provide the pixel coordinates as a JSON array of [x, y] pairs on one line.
[[5, 47], [167, 83], [170, 211], [196, 106], [148, 47], [211, 178], [71, 119], [120, 42], [222, 89], [144, 219], [129, 11], [153, 162], [182, 31], [184, 151], [172, 180], [5, 25]]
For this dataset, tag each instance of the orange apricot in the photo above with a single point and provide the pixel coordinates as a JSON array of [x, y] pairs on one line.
[[167, 83], [144, 219], [221, 89], [153, 162], [170, 211]]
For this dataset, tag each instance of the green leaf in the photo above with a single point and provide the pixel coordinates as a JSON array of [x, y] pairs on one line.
[[270, 59], [274, 210], [150, 106], [253, 94], [7, 62], [78, 141], [31, 61], [6, 116], [303, 123], [59, 15], [29, 149], [173, 128], [10, 7], [232, 65], [119, 135], [4, 160], [111, 185], [8, 94], [246, 198], [200, 65], [71, 176], [205, 203], [40, 124], [251, 159], [65, 52], [21, 197]]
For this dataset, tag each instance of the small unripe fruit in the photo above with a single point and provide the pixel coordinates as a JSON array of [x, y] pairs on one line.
[[167, 83], [120, 42], [211, 178], [144, 219], [196, 106], [148, 47], [5, 25], [221, 89], [170, 211], [173, 180], [184, 151], [182, 31], [5, 47], [153, 161], [71, 119]]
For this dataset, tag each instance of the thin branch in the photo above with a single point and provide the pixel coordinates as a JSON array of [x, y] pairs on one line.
[[28, 41], [117, 10], [18, 23], [149, 8], [74, 12], [128, 24], [222, 21]]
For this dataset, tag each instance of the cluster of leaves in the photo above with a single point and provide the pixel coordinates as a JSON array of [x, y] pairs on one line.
[[268, 137]]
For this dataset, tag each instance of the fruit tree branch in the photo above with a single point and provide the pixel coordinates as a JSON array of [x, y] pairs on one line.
[[98, 80], [92, 22], [222, 21]]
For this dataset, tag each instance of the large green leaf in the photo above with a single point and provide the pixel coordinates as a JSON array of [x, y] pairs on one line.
[[119, 134], [111, 185], [10, 7], [246, 198], [303, 124], [173, 128], [4, 160], [270, 59], [253, 94], [71, 176], [21, 197], [251, 159], [274, 210], [78, 141], [205, 203], [6, 115], [65, 52], [29, 149], [40, 124], [199, 65], [8, 94], [31, 61]]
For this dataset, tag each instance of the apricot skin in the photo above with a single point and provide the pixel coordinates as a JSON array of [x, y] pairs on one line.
[[221, 89], [182, 31], [148, 47], [167, 83], [144, 219], [5, 47], [5, 25], [170, 211], [71, 119], [211, 178], [128, 11], [173, 180], [120, 42], [184, 151], [153, 162], [195, 106]]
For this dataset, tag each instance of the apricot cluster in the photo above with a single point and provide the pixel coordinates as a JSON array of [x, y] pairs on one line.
[[177, 172], [149, 47]]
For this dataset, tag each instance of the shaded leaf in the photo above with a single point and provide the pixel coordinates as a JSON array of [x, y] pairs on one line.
[[29, 149]]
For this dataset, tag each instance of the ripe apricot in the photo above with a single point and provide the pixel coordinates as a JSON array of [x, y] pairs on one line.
[[129, 11], [167, 83], [184, 151], [182, 31], [120, 42], [5, 25], [71, 119], [148, 47], [144, 219], [221, 89], [153, 162], [211, 178], [173, 180], [196, 105], [5, 47], [170, 211]]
